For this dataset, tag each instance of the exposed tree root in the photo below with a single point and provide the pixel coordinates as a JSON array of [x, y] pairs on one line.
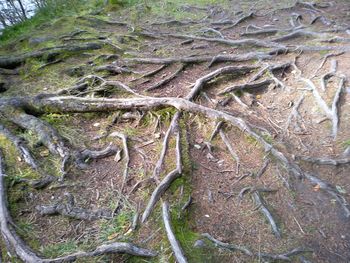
[[325, 160], [263, 168], [331, 191], [236, 43], [285, 256], [166, 182], [124, 139], [259, 201], [230, 149], [15, 244], [48, 53], [221, 71], [70, 210], [20, 145], [175, 246], [232, 23], [114, 69], [167, 79], [247, 86], [330, 112]]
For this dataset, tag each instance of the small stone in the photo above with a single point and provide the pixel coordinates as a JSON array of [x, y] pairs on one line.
[[157, 135], [96, 124], [199, 243], [197, 146], [207, 216]]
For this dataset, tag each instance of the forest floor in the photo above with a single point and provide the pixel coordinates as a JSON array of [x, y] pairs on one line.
[[289, 82]]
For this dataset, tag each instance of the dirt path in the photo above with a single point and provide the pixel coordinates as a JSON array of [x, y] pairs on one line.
[[249, 106]]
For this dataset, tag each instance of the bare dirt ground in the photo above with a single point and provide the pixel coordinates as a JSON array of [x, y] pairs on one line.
[[309, 206]]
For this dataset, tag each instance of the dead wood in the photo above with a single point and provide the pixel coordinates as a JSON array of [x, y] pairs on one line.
[[174, 243]]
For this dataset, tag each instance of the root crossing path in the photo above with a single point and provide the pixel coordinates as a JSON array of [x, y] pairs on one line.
[[219, 139]]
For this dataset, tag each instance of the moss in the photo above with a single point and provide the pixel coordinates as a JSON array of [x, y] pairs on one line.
[[60, 249], [116, 227]]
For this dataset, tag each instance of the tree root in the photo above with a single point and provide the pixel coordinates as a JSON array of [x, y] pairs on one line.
[[247, 86], [166, 182], [324, 161], [285, 256], [48, 53], [221, 71], [232, 23], [124, 139], [14, 243], [167, 79], [252, 42], [259, 201], [230, 149], [70, 210], [175, 246], [331, 191], [20, 145], [331, 113], [263, 168]]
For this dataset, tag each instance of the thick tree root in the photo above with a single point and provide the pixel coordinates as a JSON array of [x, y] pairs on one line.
[[175, 246], [166, 182]]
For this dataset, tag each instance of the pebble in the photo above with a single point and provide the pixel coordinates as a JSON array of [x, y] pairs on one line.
[[197, 146], [199, 243]]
